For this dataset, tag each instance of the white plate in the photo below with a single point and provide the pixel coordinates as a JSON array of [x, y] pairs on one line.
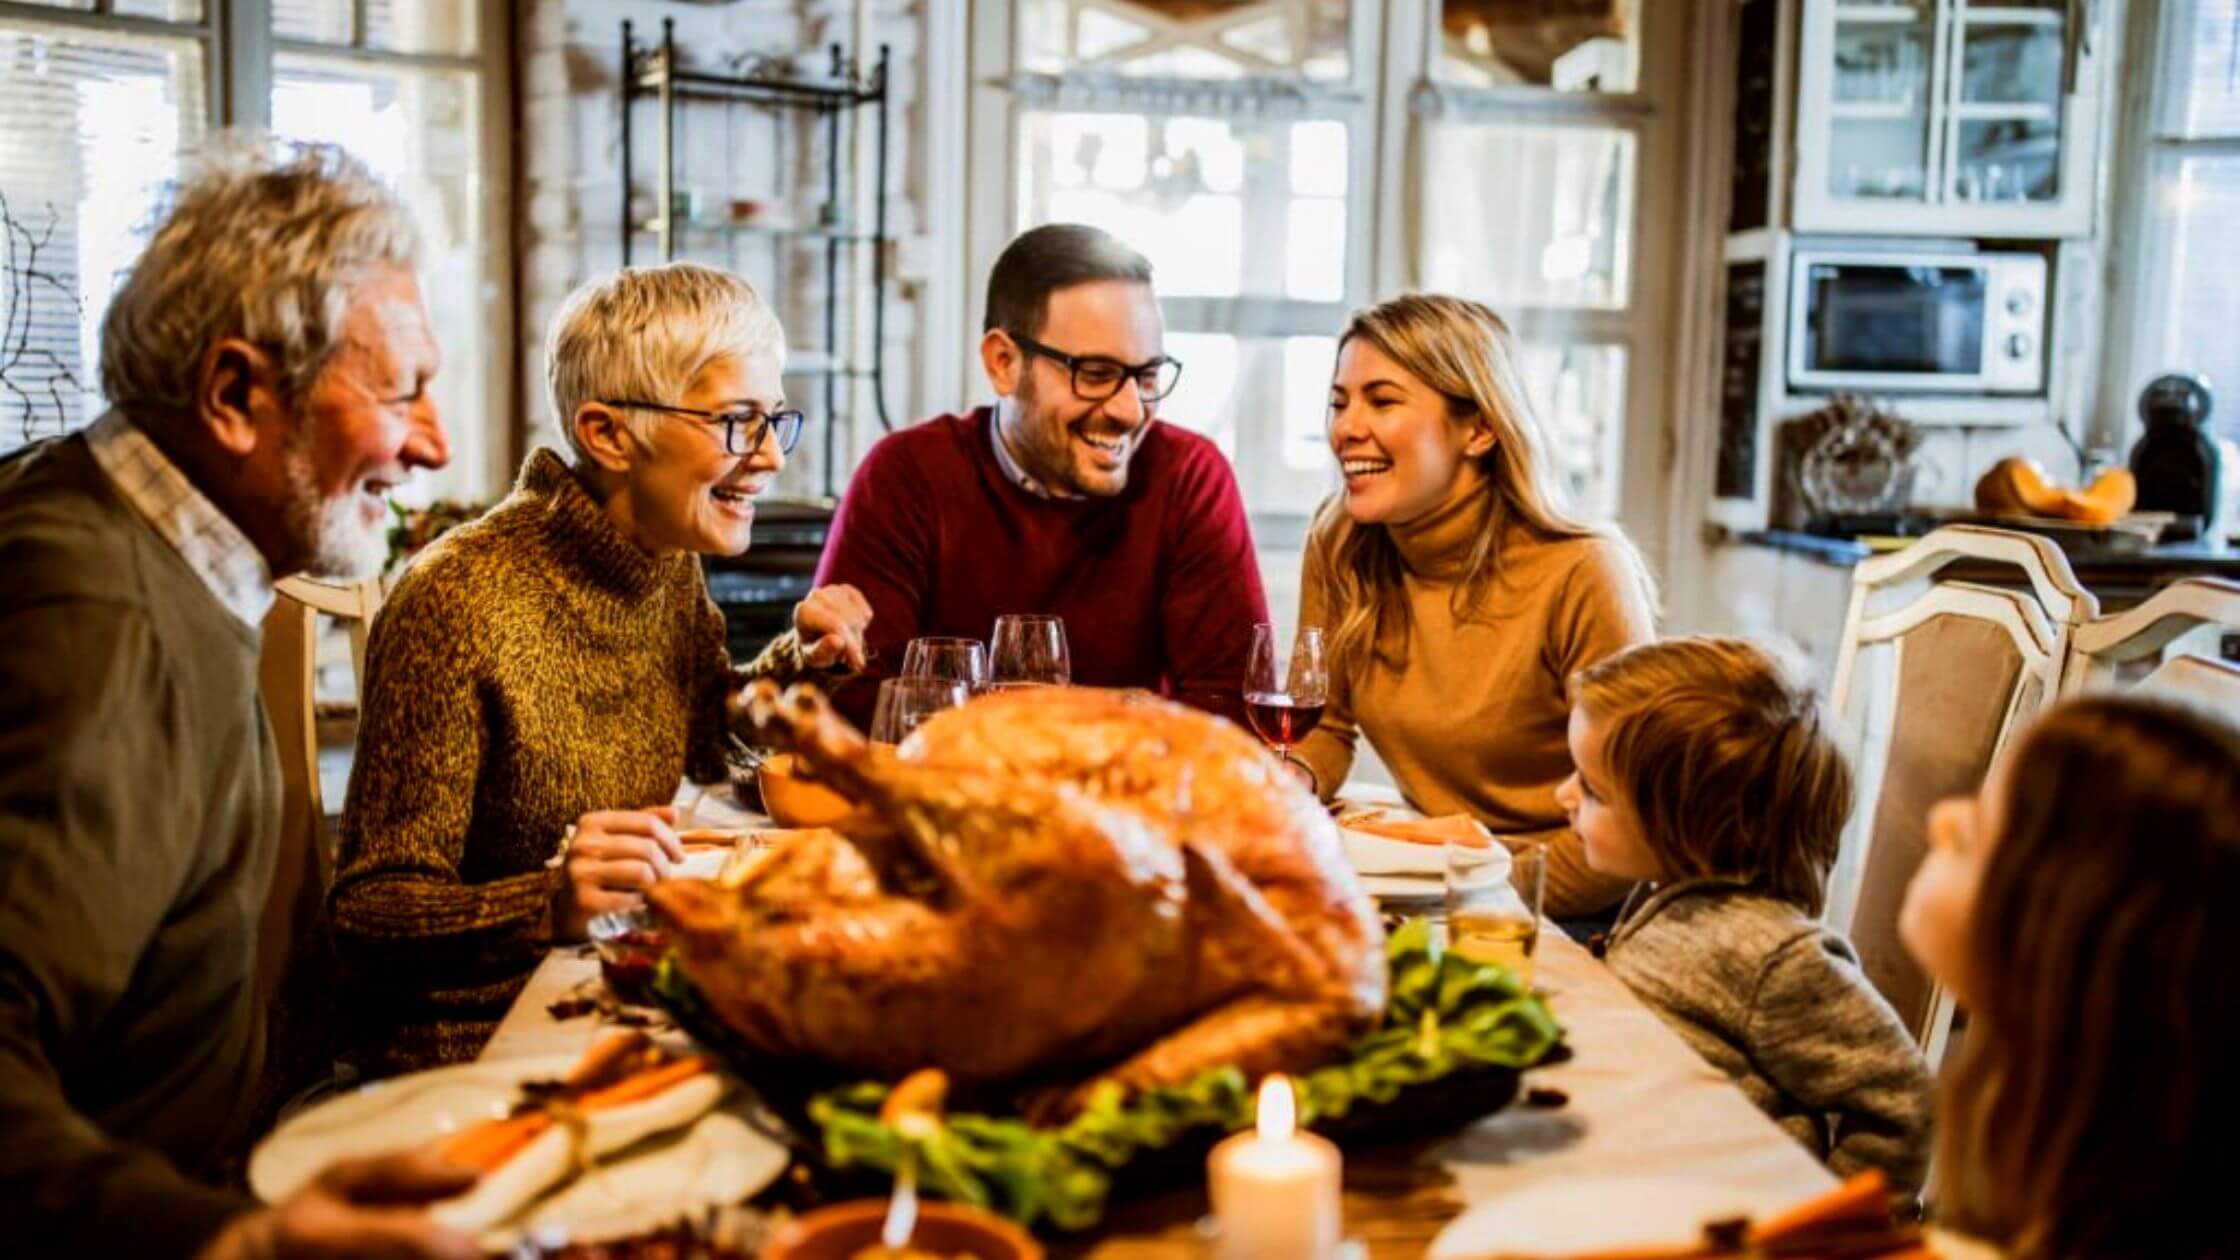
[[1381, 855], [1573, 1216], [1404, 891], [718, 1160]]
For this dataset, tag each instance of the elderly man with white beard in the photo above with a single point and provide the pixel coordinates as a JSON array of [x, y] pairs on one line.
[[267, 361]]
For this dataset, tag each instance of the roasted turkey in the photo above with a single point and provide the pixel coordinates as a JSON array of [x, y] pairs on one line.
[[1060, 884]]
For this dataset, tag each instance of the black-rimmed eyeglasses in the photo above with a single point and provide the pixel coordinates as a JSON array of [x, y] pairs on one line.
[[1097, 378], [743, 430]]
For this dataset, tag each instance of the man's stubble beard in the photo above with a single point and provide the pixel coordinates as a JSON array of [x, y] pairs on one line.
[[1045, 447]]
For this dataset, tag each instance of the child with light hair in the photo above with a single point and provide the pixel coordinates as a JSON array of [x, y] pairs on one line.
[[1704, 771]]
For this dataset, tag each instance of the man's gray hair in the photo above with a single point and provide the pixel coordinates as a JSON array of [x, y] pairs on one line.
[[262, 240], [644, 333]]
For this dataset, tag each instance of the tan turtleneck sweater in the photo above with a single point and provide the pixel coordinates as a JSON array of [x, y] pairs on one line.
[[530, 667], [1474, 721]]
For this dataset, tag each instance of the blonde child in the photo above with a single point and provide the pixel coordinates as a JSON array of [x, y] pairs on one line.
[[2082, 910], [1703, 772]]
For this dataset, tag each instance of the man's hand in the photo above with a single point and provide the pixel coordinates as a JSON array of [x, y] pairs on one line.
[[616, 855], [370, 1208], [830, 625]]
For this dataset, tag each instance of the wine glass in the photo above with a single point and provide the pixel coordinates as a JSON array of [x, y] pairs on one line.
[[1283, 698], [964, 660], [905, 703], [1030, 651]]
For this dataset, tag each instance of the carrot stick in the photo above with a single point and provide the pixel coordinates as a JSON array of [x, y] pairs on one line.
[[1863, 1199], [644, 1085], [606, 1056], [487, 1145]]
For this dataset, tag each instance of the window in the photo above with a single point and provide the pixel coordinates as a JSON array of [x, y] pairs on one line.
[[1283, 162], [91, 122], [2185, 226], [95, 108], [396, 82]]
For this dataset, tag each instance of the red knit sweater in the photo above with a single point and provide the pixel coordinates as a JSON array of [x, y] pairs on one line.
[[1157, 585]]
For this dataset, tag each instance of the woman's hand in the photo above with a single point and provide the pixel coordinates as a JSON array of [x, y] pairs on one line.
[[359, 1207], [830, 625], [616, 855]]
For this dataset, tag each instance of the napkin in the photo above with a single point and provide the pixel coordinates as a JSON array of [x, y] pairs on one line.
[[1461, 829]]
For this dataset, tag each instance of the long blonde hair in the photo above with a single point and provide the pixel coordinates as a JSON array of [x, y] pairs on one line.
[[1465, 352]]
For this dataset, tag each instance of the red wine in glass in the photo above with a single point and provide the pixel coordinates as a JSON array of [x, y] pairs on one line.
[[1279, 719], [1284, 692]]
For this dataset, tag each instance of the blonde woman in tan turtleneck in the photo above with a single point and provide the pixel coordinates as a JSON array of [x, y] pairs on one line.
[[1456, 593]]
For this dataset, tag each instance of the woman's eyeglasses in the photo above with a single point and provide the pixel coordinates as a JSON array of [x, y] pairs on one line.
[[1097, 378], [743, 430]]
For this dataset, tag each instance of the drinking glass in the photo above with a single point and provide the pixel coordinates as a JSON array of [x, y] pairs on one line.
[[1030, 651], [961, 660], [905, 703], [1283, 698], [1493, 903]]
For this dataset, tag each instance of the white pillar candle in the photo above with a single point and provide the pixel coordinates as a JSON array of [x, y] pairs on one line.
[[1275, 1191]]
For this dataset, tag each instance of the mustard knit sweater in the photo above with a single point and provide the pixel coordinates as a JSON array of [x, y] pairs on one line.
[[1474, 719], [530, 667]]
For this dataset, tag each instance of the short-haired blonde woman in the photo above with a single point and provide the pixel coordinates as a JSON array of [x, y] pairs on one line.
[[558, 664], [1457, 593]]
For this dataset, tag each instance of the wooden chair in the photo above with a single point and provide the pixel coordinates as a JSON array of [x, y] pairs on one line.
[[1935, 676], [2103, 650], [294, 969]]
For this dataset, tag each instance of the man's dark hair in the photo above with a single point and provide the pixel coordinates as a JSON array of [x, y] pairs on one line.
[[1040, 261]]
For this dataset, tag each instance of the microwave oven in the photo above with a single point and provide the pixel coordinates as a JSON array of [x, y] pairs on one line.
[[1912, 322]]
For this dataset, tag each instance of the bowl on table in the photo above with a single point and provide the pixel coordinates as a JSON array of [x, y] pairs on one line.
[[795, 801], [949, 1231], [630, 944]]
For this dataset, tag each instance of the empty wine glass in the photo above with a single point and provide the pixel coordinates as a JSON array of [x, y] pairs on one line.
[[1030, 651], [1283, 696], [964, 660], [905, 703]]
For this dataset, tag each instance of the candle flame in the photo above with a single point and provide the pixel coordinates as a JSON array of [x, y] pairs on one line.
[[1278, 1109]]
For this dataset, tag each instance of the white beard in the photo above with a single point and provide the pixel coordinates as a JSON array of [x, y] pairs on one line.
[[331, 534]]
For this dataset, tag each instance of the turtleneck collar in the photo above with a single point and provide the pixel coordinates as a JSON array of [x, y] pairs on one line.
[[1436, 546], [586, 535]]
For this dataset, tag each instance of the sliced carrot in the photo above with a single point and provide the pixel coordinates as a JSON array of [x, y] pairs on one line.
[[644, 1085], [487, 1145], [1864, 1198]]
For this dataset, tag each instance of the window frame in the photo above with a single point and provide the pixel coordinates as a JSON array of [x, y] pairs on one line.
[[239, 49], [1396, 49], [2140, 319]]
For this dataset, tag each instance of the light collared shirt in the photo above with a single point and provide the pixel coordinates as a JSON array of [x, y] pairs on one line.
[[1018, 476], [211, 544]]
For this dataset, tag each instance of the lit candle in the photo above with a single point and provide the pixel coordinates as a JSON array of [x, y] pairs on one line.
[[1275, 1191]]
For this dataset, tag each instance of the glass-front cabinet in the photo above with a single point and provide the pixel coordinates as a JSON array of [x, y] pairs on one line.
[[1948, 117]]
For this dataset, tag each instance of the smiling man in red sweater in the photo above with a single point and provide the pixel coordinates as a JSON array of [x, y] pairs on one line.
[[1068, 496]]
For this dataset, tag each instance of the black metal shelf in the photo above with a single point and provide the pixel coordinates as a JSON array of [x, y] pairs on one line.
[[652, 73]]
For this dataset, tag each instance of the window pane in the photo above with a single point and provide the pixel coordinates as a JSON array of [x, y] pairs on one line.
[[326, 21], [1262, 401], [417, 128], [1207, 200], [1579, 393], [2205, 279], [2010, 160], [1567, 45], [91, 126], [1187, 39], [168, 10], [430, 26], [2212, 80], [1530, 216], [2011, 64]]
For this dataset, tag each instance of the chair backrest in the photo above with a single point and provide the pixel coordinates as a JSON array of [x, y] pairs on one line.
[[2200, 679], [2102, 648], [290, 947], [1936, 677]]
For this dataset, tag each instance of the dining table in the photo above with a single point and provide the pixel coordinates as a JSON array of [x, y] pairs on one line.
[[1631, 1102]]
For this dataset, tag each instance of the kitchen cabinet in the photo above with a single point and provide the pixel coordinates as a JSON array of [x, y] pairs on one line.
[[1954, 118]]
